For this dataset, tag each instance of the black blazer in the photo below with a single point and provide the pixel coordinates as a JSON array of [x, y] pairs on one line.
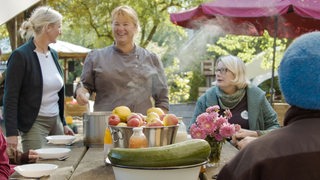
[[23, 89]]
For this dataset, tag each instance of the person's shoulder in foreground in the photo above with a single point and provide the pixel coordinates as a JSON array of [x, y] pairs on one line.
[[292, 152], [5, 169]]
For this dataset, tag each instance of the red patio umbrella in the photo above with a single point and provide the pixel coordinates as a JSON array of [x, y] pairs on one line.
[[295, 17], [281, 18]]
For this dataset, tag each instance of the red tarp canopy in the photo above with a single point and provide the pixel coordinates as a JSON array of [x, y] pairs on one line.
[[281, 18], [252, 17]]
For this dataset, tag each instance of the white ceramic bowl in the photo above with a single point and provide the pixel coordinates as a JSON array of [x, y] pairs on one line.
[[60, 139], [36, 170], [52, 153], [190, 172]]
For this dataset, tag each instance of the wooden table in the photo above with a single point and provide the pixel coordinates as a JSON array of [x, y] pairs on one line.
[[66, 167], [92, 164], [227, 153], [88, 163]]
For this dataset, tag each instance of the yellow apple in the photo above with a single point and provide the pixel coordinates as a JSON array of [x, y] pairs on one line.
[[155, 122], [122, 124], [122, 111], [152, 115], [157, 110]]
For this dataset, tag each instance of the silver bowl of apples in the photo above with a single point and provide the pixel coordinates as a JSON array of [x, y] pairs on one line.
[[156, 136], [158, 130]]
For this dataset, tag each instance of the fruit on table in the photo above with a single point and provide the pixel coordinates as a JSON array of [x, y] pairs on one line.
[[188, 152], [170, 120], [143, 117], [122, 124], [157, 110], [113, 120], [151, 116], [154, 123], [69, 120], [134, 122], [122, 111]]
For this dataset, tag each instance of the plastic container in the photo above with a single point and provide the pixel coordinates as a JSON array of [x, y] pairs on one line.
[[107, 142], [138, 139], [182, 134]]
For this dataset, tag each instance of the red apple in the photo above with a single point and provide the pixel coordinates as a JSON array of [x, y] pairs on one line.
[[134, 122], [162, 116], [155, 122], [133, 115], [170, 120], [113, 120], [143, 117]]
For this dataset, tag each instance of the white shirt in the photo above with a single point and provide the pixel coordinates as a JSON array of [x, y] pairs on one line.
[[52, 84]]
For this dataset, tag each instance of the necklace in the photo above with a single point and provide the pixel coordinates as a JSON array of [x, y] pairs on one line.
[[43, 50]]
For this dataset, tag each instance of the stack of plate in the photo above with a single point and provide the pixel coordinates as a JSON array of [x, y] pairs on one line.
[[53, 153]]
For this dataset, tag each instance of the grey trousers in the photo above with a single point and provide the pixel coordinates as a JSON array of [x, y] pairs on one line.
[[35, 138]]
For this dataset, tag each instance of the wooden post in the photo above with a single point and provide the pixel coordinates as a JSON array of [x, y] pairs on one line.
[[207, 69]]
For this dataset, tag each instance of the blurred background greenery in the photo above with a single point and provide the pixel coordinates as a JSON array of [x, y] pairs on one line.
[[87, 23]]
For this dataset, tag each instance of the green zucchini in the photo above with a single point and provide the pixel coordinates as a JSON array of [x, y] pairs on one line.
[[188, 152]]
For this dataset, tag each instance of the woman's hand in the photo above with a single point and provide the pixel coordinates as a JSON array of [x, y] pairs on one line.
[[242, 133], [245, 141], [243, 137], [67, 130], [82, 96], [33, 156]]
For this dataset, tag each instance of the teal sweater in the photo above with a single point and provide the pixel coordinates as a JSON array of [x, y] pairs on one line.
[[262, 117]]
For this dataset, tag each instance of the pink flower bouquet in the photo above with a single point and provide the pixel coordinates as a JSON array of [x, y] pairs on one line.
[[214, 128], [210, 123]]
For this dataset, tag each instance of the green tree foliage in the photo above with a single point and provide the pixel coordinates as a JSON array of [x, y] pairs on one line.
[[248, 47], [178, 83], [88, 23], [92, 19]]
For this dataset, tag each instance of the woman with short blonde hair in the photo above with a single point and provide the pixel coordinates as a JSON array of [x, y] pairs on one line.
[[238, 68], [248, 104], [123, 73], [128, 12]]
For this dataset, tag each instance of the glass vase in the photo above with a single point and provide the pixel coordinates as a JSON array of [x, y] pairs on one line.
[[215, 154]]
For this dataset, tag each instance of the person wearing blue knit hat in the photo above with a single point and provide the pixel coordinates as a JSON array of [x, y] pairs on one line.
[[292, 152]]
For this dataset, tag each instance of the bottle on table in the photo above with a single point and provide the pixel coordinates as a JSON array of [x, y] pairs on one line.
[[182, 134], [138, 139], [107, 142]]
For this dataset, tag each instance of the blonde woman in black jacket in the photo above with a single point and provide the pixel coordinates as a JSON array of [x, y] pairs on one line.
[[34, 86]]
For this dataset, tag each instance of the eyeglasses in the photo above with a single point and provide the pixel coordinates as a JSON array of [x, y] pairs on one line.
[[222, 70]]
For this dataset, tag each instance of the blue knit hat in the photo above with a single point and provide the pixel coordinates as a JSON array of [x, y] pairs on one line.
[[299, 72]]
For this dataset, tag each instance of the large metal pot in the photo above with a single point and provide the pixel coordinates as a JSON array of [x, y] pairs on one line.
[[156, 136], [94, 125]]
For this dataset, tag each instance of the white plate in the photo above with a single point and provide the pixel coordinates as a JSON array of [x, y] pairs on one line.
[[35, 170], [52, 153], [60, 139]]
